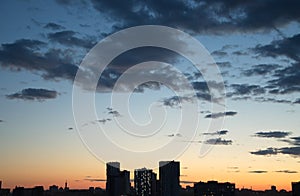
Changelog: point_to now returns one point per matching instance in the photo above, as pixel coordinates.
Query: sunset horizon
(214, 85)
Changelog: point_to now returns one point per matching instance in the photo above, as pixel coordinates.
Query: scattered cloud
(287, 171)
(285, 80)
(222, 132)
(27, 54)
(288, 47)
(221, 114)
(292, 140)
(216, 16)
(297, 101)
(219, 53)
(174, 135)
(112, 112)
(104, 120)
(258, 171)
(53, 26)
(176, 101)
(245, 90)
(34, 94)
(268, 151)
(261, 70)
(95, 180)
(293, 151)
(218, 141)
(226, 64)
(272, 100)
(272, 134)
(68, 38)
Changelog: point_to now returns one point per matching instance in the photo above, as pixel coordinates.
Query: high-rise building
(144, 182)
(113, 183)
(296, 188)
(117, 182)
(169, 172)
(125, 182)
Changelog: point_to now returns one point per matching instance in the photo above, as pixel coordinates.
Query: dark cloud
(218, 141)
(104, 120)
(176, 101)
(53, 26)
(95, 180)
(288, 47)
(258, 171)
(220, 114)
(202, 16)
(293, 151)
(219, 53)
(287, 80)
(26, 54)
(295, 141)
(153, 85)
(222, 132)
(268, 151)
(1, 121)
(240, 53)
(224, 64)
(261, 69)
(273, 100)
(113, 113)
(34, 94)
(297, 101)
(68, 38)
(272, 134)
(245, 90)
(287, 171)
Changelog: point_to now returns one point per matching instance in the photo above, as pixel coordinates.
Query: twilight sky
(255, 45)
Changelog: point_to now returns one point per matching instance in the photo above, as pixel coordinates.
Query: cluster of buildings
(145, 180)
(147, 183)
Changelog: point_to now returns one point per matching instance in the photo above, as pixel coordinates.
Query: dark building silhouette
(169, 172)
(112, 179)
(214, 188)
(21, 191)
(296, 188)
(4, 192)
(117, 182)
(125, 182)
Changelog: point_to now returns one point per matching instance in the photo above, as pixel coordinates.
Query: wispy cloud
(268, 151)
(221, 132)
(53, 26)
(287, 171)
(218, 141)
(258, 171)
(273, 134)
(221, 114)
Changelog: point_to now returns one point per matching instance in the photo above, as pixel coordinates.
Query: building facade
(169, 172)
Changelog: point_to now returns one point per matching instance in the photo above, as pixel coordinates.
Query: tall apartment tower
(144, 182)
(169, 172)
(296, 188)
(113, 179)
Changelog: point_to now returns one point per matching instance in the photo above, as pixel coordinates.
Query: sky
(62, 117)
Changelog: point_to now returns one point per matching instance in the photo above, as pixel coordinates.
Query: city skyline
(232, 116)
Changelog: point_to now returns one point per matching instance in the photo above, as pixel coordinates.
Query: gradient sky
(255, 44)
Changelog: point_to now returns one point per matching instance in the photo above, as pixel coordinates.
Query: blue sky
(255, 45)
